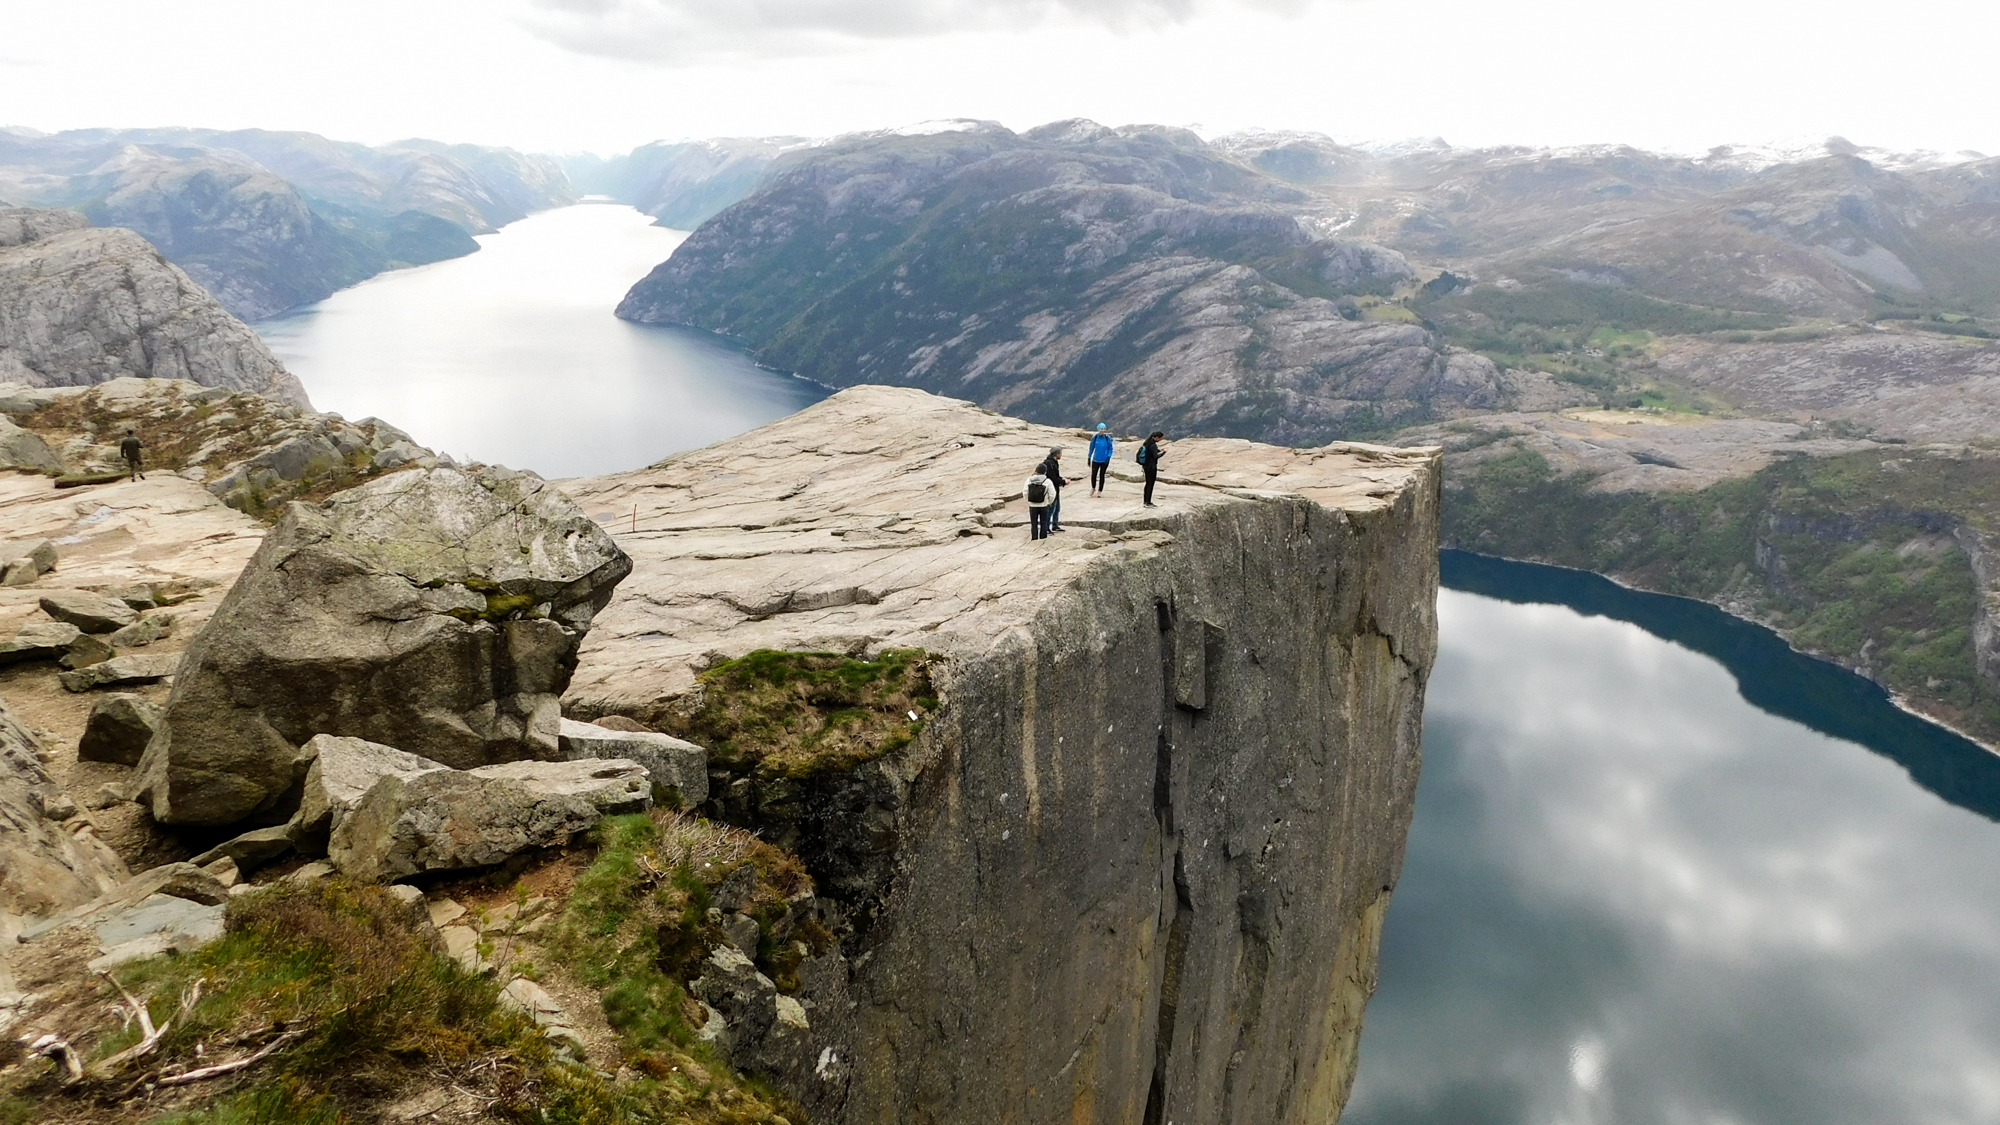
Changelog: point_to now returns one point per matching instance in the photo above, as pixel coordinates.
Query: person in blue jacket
(1100, 459)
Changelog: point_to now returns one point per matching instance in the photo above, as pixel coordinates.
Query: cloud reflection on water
(1620, 870)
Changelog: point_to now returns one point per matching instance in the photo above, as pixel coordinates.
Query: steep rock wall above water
(1135, 865)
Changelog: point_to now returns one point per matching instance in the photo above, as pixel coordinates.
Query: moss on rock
(803, 714)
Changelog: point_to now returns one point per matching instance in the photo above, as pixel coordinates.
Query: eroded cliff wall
(1136, 867)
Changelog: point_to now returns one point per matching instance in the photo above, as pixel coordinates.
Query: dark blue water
(1665, 870)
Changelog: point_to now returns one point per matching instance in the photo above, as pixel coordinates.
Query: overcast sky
(604, 75)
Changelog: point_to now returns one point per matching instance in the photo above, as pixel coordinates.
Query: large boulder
(436, 610)
(452, 819)
(118, 730)
(25, 449)
(671, 762)
(44, 866)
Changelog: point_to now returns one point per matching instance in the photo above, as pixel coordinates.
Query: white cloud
(536, 76)
(676, 30)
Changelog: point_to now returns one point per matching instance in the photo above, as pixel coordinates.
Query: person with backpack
(133, 452)
(1100, 459)
(1149, 459)
(1051, 468)
(1041, 496)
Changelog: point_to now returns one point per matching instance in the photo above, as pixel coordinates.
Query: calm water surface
(1632, 896)
(511, 355)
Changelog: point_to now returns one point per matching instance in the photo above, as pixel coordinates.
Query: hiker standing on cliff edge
(1149, 459)
(1052, 469)
(1100, 459)
(1041, 496)
(133, 452)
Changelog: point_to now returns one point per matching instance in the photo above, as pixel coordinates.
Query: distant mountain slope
(82, 305)
(682, 184)
(1837, 231)
(1066, 274)
(269, 220)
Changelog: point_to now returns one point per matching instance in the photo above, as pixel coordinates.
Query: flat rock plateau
(1138, 861)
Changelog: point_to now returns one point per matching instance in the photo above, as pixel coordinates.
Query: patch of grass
(637, 927)
(342, 963)
(802, 714)
(279, 1103)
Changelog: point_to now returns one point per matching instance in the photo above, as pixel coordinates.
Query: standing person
(133, 453)
(1149, 458)
(1100, 459)
(1041, 496)
(1052, 469)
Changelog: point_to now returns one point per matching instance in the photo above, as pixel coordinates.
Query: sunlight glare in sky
(605, 75)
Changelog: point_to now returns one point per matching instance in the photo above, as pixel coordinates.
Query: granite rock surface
(438, 611)
(1136, 863)
(1133, 275)
(48, 862)
(81, 305)
(443, 820)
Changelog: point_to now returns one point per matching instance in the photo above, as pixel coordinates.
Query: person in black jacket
(1050, 469)
(1149, 459)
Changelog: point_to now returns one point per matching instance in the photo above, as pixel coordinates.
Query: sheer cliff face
(82, 305)
(1136, 866)
(1136, 275)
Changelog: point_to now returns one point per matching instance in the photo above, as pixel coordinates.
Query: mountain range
(270, 220)
(1713, 375)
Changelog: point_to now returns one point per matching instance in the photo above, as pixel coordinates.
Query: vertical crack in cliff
(1170, 993)
(1183, 901)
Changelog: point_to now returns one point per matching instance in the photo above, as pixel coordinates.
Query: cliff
(1134, 861)
(1071, 272)
(82, 305)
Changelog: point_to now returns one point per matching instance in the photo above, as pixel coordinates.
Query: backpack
(1038, 491)
(1140, 456)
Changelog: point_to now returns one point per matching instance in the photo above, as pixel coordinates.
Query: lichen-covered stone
(452, 819)
(25, 449)
(437, 611)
